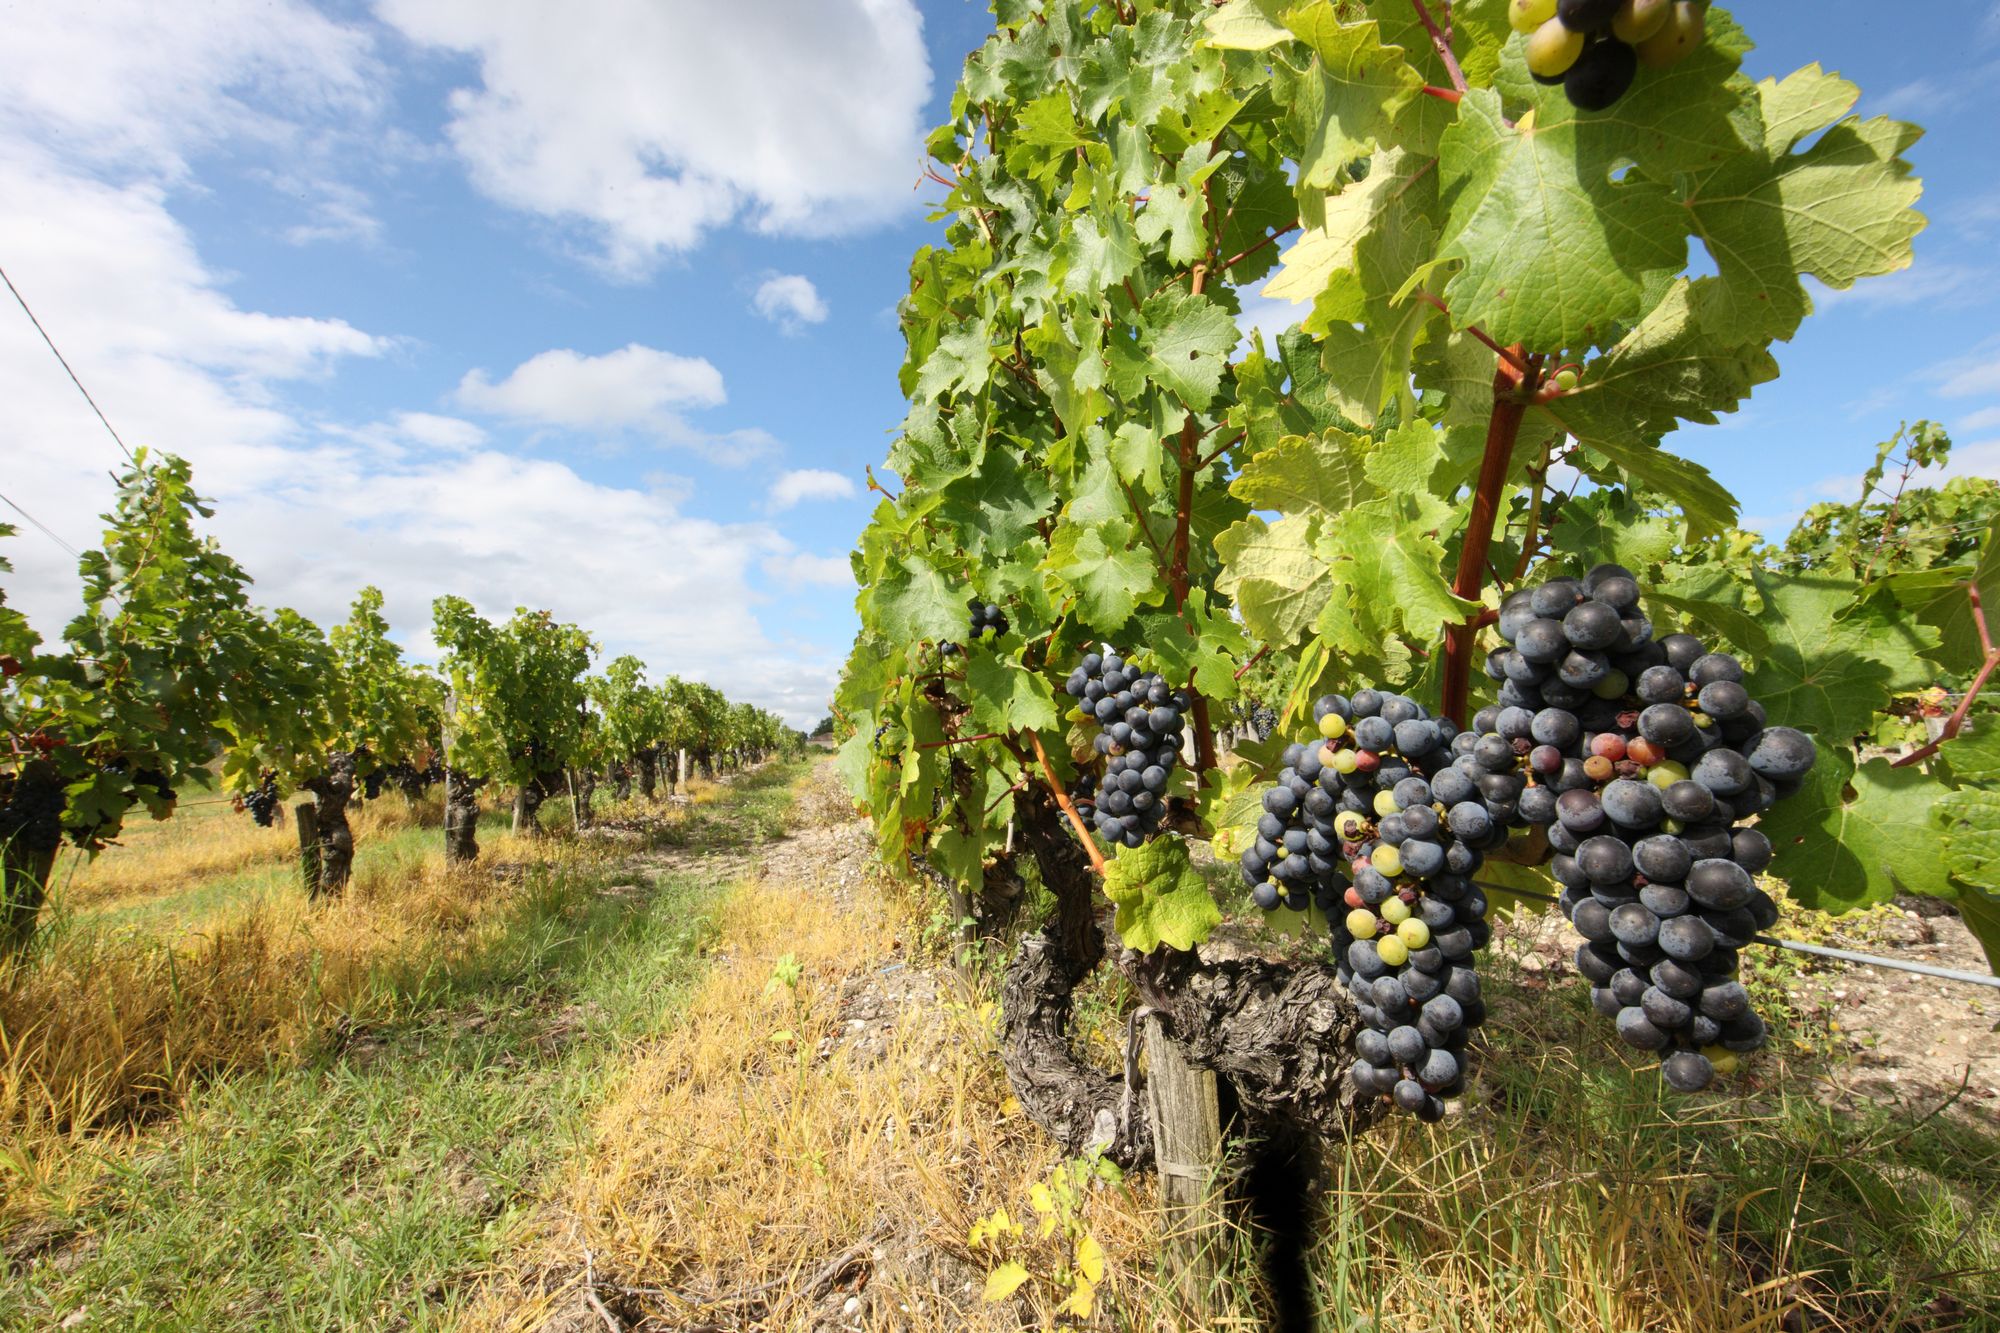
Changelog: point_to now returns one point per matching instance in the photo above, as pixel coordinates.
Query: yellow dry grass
(751, 1145)
(101, 1028)
(206, 841)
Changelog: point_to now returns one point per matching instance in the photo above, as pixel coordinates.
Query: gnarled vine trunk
(331, 792)
(1277, 1025)
(583, 786)
(649, 774)
(621, 781)
(31, 809)
(528, 798)
(461, 816)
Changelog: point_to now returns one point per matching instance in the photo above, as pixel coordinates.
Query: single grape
(1638, 1030)
(1676, 38)
(1525, 16)
(1687, 1071)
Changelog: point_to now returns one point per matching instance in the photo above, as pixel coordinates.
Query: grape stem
(1063, 801)
(1511, 355)
(1503, 430)
(1442, 45)
(962, 740)
(1956, 721)
(1252, 662)
(1452, 95)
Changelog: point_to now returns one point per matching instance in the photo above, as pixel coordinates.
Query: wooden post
(1187, 1149)
(307, 818)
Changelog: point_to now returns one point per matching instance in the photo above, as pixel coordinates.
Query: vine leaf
(1272, 573)
(1970, 818)
(1349, 98)
(1247, 25)
(1111, 579)
(1937, 597)
(1831, 662)
(1838, 851)
(1840, 210)
(1554, 253)
(1005, 697)
(1181, 343)
(1161, 897)
(1307, 473)
(913, 603)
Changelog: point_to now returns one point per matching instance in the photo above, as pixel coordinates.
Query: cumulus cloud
(829, 571)
(790, 301)
(650, 124)
(812, 483)
(418, 503)
(633, 388)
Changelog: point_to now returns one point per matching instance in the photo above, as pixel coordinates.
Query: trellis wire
(1821, 951)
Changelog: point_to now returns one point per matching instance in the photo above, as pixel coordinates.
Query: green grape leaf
(1839, 210)
(1175, 209)
(1271, 572)
(1006, 696)
(1321, 473)
(913, 603)
(1000, 506)
(1838, 852)
(1161, 897)
(1182, 341)
(1247, 25)
(962, 360)
(1941, 599)
(1323, 265)
(1386, 572)
(1111, 578)
(1554, 253)
(1831, 660)
(1349, 98)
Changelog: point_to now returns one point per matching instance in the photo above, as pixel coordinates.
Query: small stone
(850, 1306)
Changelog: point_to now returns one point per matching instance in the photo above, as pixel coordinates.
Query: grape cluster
(986, 616)
(371, 782)
(1263, 721)
(1643, 757)
(1594, 48)
(1138, 715)
(262, 800)
(1387, 818)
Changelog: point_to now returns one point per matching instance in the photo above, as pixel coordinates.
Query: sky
(591, 307)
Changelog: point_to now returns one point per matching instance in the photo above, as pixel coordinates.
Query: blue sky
(456, 295)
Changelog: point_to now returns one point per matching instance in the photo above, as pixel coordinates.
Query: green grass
(370, 1186)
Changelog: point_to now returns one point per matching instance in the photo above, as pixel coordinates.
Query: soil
(1881, 1035)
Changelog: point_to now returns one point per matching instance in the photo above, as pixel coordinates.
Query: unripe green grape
(1552, 49)
(1361, 924)
(1393, 951)
(1677, 37)
(1388, 861)
(1527, 15)
(1566, 378)
(1394, 910)
(1639, 19)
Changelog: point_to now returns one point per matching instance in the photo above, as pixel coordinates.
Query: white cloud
(1935, 285)
(635, 387)
(417, 504)
(790, 301)
(829, 571)
(1984, 419)
(1977, 372)
(650, 124)
(810, 483)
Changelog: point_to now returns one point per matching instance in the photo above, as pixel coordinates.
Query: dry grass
(102, 1028)
(753, 1144)
(208, 840)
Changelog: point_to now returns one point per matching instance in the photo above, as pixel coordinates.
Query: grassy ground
(364, 1177)
(613, 1077)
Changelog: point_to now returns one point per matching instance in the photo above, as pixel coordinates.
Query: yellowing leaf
(1039, 1198)
(1081, 1301)
(1004, 1281)
(1090, 1257)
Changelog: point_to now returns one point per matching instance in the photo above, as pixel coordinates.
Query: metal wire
(1817, 950)
(65, 362)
